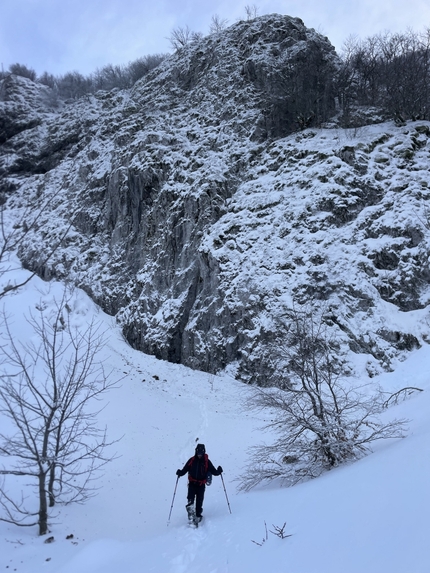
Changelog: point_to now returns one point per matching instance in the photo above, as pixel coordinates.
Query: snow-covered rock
(192, 209)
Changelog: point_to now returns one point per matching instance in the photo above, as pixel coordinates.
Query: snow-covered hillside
(182, 209)
(370, 516)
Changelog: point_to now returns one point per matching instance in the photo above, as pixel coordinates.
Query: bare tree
(110, 77)
(217, 24)
(48, 80)
(181, 37)
(142, 66)
(47, 393)
(74, 85)
(406, 75)
(251, 11)
(321, 421)
(22, 70)
(390, 72)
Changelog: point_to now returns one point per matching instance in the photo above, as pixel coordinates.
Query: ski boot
(191, 512)
(197, 520)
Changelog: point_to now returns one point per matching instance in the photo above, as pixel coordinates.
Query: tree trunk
(43, 505)
(51, 486)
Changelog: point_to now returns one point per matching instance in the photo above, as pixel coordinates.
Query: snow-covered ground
(368, 517)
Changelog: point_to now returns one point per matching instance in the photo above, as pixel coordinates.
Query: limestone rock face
(193, 209)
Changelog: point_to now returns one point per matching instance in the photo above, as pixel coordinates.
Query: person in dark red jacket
(198, 468)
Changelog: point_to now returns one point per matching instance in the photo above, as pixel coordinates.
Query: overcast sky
(66, 35)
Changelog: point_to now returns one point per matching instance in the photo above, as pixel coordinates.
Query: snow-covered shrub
(322, 421)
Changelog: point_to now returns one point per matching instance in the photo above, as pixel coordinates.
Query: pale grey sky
(65, 35)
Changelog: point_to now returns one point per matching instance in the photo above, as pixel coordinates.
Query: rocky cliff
(193, 209)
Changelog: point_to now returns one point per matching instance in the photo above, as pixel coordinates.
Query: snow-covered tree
(322, 420)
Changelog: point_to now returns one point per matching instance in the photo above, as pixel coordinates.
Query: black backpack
(200, 449)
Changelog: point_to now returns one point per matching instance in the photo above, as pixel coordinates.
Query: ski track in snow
(192, 542)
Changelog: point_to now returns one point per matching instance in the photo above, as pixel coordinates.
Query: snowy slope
(369, 517)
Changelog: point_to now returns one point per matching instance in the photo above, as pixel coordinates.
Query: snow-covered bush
(322, 420)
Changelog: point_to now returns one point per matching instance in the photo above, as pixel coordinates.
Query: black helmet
(200, 449)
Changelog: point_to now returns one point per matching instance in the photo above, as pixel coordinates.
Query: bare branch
(56, 441)
(400, 395)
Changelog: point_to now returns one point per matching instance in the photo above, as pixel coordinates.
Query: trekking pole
(173, 500)
(225, 491)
